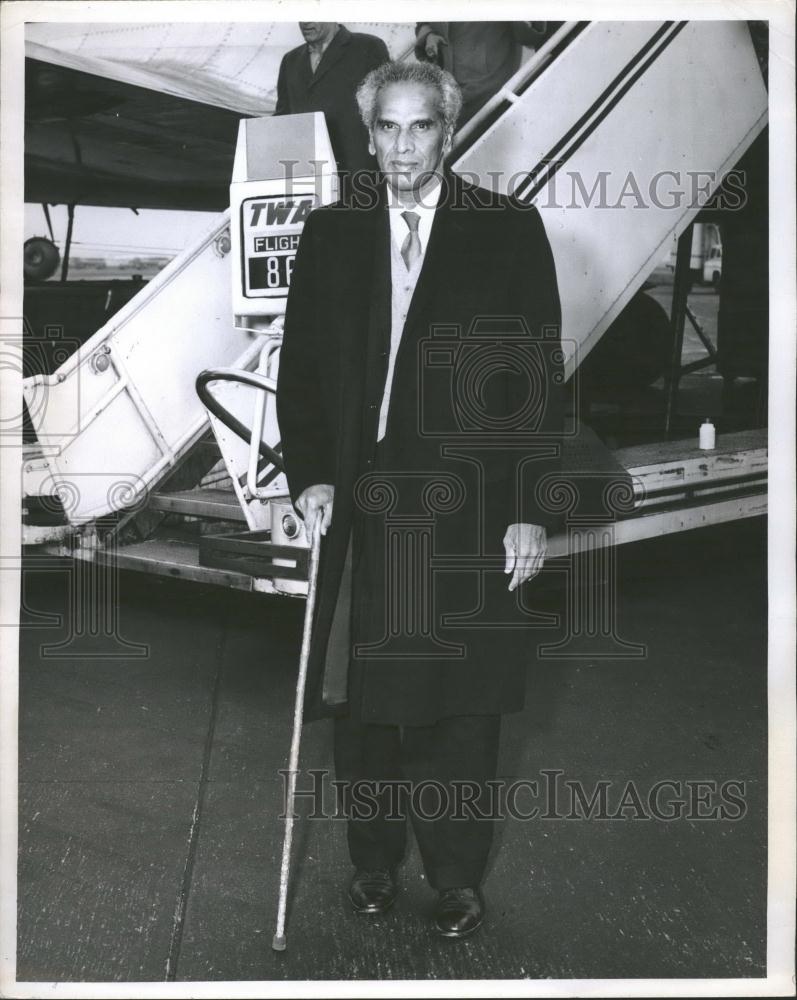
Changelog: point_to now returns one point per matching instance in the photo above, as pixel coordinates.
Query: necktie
(411, 247)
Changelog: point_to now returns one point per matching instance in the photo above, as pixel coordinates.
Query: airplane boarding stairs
(607, 130)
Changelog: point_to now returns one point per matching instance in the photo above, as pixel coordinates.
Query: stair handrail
(221, 413)
(509, 92)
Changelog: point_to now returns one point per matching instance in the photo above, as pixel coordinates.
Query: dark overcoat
(346, 61)
(473, 430)
(481, 55)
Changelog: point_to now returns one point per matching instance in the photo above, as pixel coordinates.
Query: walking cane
(279, 942)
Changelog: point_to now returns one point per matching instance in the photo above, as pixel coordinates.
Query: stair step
(174, 557)
(219, 505)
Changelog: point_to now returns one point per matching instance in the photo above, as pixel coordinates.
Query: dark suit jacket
(483, 322)
(348, 58)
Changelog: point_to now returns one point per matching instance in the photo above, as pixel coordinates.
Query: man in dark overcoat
(480, 55)
(322, 75)
(419, 395)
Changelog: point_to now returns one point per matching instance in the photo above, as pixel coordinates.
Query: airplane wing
(146, 115)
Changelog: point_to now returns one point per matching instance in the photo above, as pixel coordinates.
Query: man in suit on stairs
(322, 75)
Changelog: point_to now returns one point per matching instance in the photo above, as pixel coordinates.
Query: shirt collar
(428, 203)
(426, 210)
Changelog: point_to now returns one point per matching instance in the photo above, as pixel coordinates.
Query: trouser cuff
(456, 877)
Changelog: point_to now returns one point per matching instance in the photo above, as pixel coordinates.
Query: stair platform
(205, 503)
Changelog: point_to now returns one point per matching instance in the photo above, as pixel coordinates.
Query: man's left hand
(525, 546)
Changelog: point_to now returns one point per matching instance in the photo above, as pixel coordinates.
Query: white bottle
(708, 435)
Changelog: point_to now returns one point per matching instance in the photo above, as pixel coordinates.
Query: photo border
(781, 535)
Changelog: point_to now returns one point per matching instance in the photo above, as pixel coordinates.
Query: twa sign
(271, 227)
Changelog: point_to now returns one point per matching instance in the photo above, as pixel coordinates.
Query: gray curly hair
(450, 96)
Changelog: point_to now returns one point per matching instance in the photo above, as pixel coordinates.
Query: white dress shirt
(426, 210)
(403, 281)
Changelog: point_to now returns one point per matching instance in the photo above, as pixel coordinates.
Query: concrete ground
(150, 744)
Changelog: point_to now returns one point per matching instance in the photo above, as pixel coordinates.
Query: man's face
(317, 32)
(408, 136)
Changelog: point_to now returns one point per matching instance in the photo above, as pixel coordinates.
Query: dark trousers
(444, 768)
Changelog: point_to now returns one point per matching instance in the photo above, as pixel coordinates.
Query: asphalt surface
(152, 734)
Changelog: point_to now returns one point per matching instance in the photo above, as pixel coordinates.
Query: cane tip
(279, 943)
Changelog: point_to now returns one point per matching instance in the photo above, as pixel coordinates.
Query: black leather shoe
(459, 912)
(372, 890)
